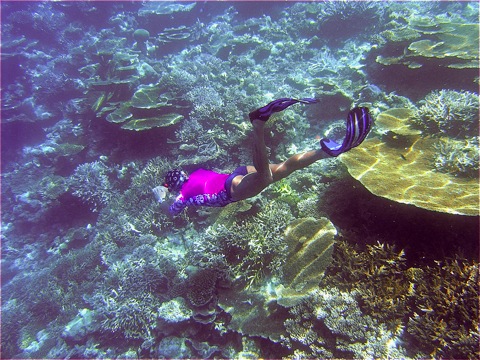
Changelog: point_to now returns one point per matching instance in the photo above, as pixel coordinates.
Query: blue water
(101, 99)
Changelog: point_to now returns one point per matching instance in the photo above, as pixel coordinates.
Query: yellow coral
(396, 121)
(407, 176)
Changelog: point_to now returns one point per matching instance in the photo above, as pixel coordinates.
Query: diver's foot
(258, 124)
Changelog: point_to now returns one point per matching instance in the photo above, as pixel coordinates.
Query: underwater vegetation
(368, 255)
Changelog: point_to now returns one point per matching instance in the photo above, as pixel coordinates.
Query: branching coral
(134, 318)
(206, 102)
(458, 157)
(379, 276)
(454, 113)
(437, 305)
(446, 310)
(337, 17)
(91, 183)
(127, 302)
(331, 322)
(255, 246)
(151, 175)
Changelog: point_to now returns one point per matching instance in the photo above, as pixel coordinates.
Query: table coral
(449, 39)
(152, 122)
(407, 176)
(396, 121)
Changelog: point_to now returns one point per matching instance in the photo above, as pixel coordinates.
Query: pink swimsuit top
(203, 188)
(202, 182)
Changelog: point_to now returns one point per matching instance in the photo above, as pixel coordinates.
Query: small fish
(160, 192)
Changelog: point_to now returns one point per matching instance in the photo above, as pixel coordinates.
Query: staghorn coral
(446, 310)
(450, 112)
(151, 175)
(127, 302)
(331, 322)
(457, 157)
(177, 80)
(338, 17)
(91, 183)
(206, 101)
(436, 305)
(254, 247)
(379, 276)
(133, 318)
(309, 207)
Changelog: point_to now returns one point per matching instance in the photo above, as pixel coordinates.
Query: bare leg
(263, 174)
(260, 175)
(296, 162)
(260, 156)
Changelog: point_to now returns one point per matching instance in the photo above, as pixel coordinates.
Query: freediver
(209, 188)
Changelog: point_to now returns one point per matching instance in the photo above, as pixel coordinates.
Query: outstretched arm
(178, 205)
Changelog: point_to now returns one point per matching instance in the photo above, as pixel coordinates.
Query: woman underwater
(209, 188)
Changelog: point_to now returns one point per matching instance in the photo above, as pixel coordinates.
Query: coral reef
(129, 301)
(100, 99)
(412, 301)
(174, 311)
(406, 176)
(457, 157)
(309, 249)
(330, 323)
(173, 348)
(254, 247)
(379, 276)
(440, 329)
(206, 101)
(91, 183)
(397, 121)
(457, 51)
(449, 112)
